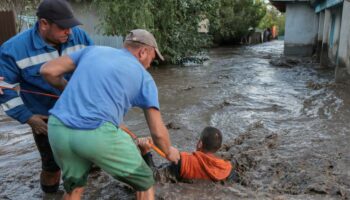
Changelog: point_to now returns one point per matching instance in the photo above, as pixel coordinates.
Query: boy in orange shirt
(201, 164)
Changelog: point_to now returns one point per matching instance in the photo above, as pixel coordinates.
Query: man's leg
(50, 174)
(145, 195)
(75, 168)
(116, 153)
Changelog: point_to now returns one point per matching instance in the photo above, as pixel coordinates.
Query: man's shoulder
(103, 49)
(80, 37)
(19, 41)
(93, 53)
(77, 31)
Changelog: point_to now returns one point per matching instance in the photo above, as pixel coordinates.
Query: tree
(236, 17)
(174, 22)
(273, 18)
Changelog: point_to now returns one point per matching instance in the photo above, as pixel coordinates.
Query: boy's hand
(145, 144)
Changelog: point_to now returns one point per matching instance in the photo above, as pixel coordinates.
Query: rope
(155, 148)
(28, 91)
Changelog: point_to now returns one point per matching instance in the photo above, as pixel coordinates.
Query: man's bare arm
(54, 70)
(160, 134)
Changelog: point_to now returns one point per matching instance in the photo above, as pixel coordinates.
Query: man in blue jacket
(55, 34)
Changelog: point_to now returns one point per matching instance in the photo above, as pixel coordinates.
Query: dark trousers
(47, 160)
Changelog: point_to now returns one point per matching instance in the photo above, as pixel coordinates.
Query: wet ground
(285, 121)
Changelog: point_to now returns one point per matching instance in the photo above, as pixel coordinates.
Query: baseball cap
(59, 12)
(144, 37)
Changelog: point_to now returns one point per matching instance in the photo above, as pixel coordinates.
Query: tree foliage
(236, 17)
(174, 23)
(273, 18)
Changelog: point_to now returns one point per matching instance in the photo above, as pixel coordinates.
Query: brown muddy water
(287, 125)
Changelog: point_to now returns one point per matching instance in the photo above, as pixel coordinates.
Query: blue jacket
(20, 60)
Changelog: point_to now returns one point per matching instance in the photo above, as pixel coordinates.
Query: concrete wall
(334, 36)
(320, 16)
(342, 72)
(324, 59)
(331, 36)
(300, 34)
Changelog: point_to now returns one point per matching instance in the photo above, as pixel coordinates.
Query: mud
(287, 128)
(261, 167)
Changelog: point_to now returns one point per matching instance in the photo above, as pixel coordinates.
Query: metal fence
(111, 41)
(8, 25)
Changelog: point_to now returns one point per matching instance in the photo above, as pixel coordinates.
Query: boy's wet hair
(211, 139)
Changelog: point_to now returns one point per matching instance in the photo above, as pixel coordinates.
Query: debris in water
(285, 62)
(267, 56)
(215, 82)
(223, 76)
(172, 125)
(188, 88)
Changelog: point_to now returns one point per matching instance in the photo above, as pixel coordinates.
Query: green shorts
(108, 147)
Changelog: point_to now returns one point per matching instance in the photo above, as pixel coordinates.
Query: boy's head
(210, 140)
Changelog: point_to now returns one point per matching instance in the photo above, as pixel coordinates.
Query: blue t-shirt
(106, 83)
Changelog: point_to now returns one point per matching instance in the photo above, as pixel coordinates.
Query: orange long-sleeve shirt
(199, 165)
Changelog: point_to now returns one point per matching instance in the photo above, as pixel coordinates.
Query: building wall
(342, 72)
(334, 34)
(324, 60)
(330, 33)
(320, 16)
(316, 24)
(300, 36)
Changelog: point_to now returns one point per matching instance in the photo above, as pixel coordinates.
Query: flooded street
(287, 127)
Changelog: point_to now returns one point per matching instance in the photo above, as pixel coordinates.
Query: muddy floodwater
(284, 121)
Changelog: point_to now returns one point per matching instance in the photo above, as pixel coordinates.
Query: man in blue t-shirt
(84, 126)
